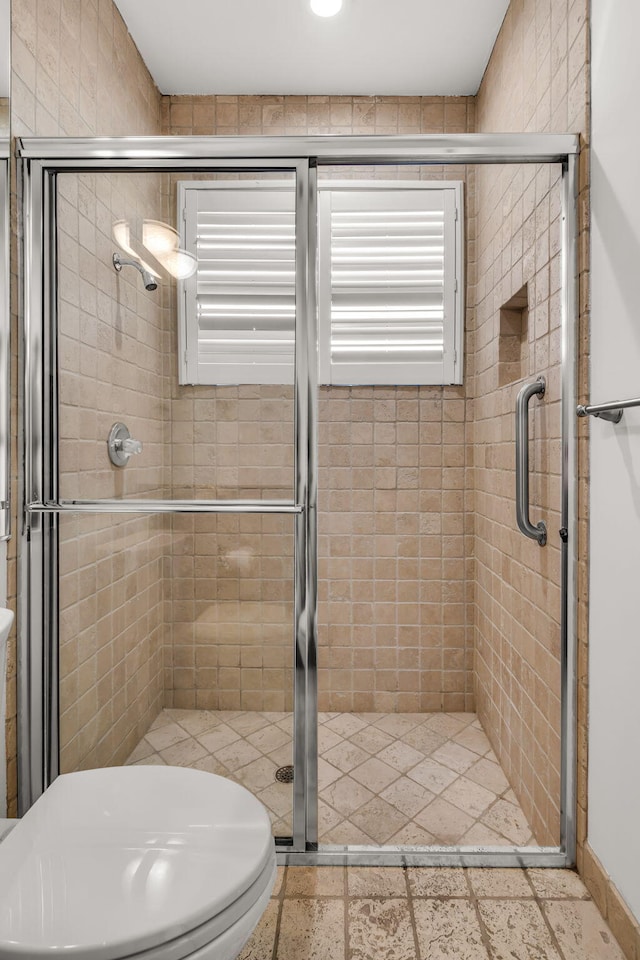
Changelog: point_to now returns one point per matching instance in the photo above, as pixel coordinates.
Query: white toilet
(151, 862)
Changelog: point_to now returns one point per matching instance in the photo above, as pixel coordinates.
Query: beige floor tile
(500, 883)
(166, 735)
(312, 929)
(371, 739)
(407, 795)
(278, 797)
(286, 724)
(509, 820)
(345, 724)
(482, 836)
(446, 724)
(380, 928)
(557, 884)
(378, 819)
(432, 775)
(412, 835)
(183, 754)
(376, 882)
(400, 756)
(248, 723)
(327, 817)
(437, 882)
(260, 944)
(257, 775)
(315, 882)
(211, 765)
(327, 774)
(163, 718)
(347, 833)
(282, 756)
(489, 775)
(237, 754)
(399, 724)
(374, 774)
(455, 756)
(327, 739)
(198, 721)
(424, 739)
(473, 739)
(516, 930)
(268, 738)
(447, 823)
(448, 930)
(221, 736)
(346, 796)
(468, 796)
(345, 756)
(581, 931)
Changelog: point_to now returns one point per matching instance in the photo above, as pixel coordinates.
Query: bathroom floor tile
(380, 928)
(517, 929)
(313, 929)
(581, 931)
(379, 774)
(448, 929)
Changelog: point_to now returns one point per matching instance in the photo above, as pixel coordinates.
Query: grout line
(412, 915)
(484, 934)
(280, 898)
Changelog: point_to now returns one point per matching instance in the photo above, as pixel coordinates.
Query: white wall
(614, 636)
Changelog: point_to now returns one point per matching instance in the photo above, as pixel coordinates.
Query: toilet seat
(147, 861)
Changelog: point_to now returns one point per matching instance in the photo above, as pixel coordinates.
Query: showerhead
(150, 282)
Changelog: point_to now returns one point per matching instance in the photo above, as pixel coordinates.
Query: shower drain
(284, 774)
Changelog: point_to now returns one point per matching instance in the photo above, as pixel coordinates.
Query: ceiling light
(179, 263)
(159, 237)
(326, 8)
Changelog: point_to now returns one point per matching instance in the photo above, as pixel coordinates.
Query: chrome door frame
(41, 160)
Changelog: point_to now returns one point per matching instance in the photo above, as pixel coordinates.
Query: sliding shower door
(169, 493)
(183, 300)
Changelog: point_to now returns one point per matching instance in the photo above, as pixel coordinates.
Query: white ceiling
(372, 47)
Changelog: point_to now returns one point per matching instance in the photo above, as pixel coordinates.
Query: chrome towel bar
(607, 411)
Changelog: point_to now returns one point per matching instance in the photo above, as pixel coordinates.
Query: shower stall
(281, 521)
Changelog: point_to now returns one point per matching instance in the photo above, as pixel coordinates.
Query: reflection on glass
(176, 646)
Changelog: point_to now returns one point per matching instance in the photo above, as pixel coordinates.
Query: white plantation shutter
(389, 285)
(240, 303)
(388, 293)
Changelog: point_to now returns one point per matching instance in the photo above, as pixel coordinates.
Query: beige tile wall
(536, 80)
(4, 116)
(112, 353)
(76, 72)
(394, 563)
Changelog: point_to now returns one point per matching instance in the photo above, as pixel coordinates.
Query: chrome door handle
(539, 532)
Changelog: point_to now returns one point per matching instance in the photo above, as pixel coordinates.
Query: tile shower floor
(383, 778)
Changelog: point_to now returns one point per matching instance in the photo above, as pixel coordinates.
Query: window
(389, 282)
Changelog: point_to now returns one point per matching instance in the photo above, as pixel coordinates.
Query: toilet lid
(108, 863)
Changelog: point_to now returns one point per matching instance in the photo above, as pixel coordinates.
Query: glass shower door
(174, 481)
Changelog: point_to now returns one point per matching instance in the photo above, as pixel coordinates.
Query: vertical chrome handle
(539, 532)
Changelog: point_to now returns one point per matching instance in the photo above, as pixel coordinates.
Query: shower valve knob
(129, 446)
(120, 445)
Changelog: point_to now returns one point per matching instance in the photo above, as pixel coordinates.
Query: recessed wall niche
(513, 341)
